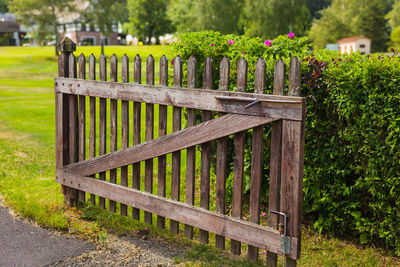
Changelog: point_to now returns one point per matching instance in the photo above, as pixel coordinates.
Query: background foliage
(352, 155)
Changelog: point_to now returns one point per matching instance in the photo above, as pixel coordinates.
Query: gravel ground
(128, 251)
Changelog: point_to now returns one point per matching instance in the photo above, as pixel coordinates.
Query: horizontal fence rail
(103, 150)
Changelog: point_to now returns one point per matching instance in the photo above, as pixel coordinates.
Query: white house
(353, 44)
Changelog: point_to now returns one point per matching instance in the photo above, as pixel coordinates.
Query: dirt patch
(128, 251)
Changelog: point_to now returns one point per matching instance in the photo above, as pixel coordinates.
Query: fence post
(292, 164)
(67, 47)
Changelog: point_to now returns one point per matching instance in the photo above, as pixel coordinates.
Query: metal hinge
(285, 240)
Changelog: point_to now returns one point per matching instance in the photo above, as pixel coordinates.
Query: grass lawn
(27, 138)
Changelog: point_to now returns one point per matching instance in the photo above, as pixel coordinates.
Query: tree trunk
(102, 43)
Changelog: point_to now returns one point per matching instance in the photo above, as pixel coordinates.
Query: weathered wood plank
(292, 163)
(256, 159)
(92, 130)
(102, 122)
(205, 150)
(73, 124)
(137, 113)
(176, 156)
(195, 135)
(62, 117)
(230, 102)
(82, 121)
(222, 148)
(238, 161)
(191, 151)
(113, 125)
(162, 130)
(148, 175)
(256, 235)
(124, 127)
(275, 160)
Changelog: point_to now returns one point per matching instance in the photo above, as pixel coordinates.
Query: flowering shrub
(352, 149)
(217, 46)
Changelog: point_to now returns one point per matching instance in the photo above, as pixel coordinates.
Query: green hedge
(352, 152)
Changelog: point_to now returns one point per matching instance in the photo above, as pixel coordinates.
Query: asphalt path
(22, 244)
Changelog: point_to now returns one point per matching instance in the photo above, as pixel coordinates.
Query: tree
(3, 6)
(373, 24)
(182, 16)
(270, 18)
(148, 19)
(315, 6)
(346, 18)
(394, 15)
(218, 15)
(105, 14)
(43, 14)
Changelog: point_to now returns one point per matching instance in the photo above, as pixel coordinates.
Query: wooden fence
(238, 112)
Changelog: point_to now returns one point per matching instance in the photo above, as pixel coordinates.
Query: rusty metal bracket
(285, 240)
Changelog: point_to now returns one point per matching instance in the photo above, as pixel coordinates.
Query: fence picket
(102, 122)
(238, 161)
(256, 159)
(205, 150)
(62, 121)
(92, 130)
(113, 124)
(222, 148)
(82, 121)
(176, 156)
(124, 127)
(73, 123)
(137, 113)
(162, 130)
(191, 151)
(148, 175)
(275, 161)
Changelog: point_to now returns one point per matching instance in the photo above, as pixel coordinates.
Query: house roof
(9, 26)
(351, 39)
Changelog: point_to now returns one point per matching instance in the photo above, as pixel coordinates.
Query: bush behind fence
(352, 153)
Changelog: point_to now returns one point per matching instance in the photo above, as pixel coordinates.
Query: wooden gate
(238, 112)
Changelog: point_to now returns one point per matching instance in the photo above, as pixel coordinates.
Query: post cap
(66, 45)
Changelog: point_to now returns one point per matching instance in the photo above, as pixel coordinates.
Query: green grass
(27, 138)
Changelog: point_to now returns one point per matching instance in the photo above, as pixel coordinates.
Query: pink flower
(291, 35)
(111, 231)
(41, 172)
(244, 218)
(212, 44)
(146, 229)
(231, 42)
(264, 252)
(138, 232)
(268, 43)
(172, 61)
(263, 214)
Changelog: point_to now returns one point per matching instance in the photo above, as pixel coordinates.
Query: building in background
(10, 30)
(332, 47)
(353, 44)
(82, 32)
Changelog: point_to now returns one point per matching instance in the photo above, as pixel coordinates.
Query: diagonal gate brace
(195, 135)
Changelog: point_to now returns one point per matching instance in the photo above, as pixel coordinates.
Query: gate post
(293, 134)
(67, 47)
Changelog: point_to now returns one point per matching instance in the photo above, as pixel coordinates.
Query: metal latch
(285, 240)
